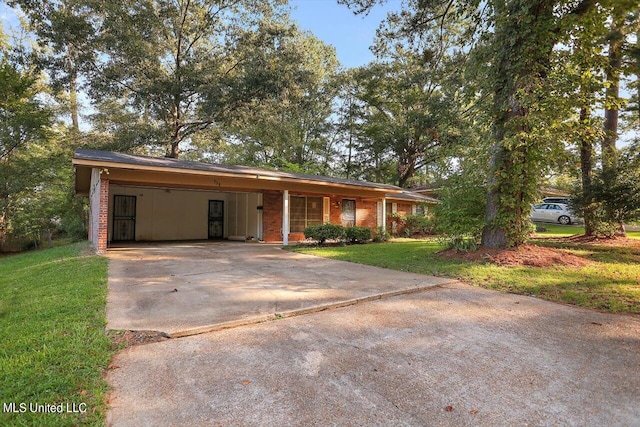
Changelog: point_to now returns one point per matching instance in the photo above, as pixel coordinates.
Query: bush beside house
(324, 232)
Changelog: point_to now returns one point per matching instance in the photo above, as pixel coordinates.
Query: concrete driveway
(187, 288)
(452, 355)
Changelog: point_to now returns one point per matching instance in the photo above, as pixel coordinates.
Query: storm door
(216, 219)
(348, 213)
(124, 218)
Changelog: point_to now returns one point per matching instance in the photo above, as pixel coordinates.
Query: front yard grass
(557, 230)
(611, 283)
(54, 347)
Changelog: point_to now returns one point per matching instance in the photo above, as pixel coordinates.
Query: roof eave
(107, 164)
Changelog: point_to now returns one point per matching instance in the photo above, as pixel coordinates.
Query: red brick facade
(272, 214)
(103, 216)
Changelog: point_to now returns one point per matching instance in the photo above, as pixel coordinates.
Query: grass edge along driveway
(611, 283)
(54, 346)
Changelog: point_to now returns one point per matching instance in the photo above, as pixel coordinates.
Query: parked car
(554, 212)
(561, 200)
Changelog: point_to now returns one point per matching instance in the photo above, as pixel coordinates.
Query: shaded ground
(525, 255)
(452, 355)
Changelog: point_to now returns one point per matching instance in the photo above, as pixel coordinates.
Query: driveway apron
(185, 288)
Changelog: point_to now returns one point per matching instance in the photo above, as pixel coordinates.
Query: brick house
(140, 198)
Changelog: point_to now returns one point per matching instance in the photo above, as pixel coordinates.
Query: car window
(555, 207)
(540, 207)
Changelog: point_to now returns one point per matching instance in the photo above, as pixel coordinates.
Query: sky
(337, 25)
(332, 23)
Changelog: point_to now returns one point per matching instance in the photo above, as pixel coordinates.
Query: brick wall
(366, 215)
(98, 210)
(103, 216)
(272, 216)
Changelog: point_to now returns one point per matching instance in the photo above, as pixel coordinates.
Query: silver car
(553, 212)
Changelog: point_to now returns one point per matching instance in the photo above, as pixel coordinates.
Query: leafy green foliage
(418, 224)
(407, 117)
(24, 130)
(357, 234)
(460, 213)
(381, 234)
(324, 232)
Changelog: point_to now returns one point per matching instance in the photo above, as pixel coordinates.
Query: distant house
(433, 191)
(140, 198)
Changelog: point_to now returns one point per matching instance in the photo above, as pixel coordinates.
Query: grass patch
(557, 230)
(54, 347)
(611, 283)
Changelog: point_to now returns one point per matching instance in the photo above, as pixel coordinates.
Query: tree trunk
(523, 50)
(611, 111)
(586, 168)
(73, 89)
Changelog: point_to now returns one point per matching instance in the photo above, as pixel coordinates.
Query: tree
(65, 45)
(292, 128)
(23, 123)
(409, 112)
(512, 42)
(186, 65)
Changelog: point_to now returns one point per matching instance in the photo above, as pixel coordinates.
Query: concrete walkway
(188, 288)
(454, 355)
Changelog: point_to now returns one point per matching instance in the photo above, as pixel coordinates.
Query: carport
(142, 198)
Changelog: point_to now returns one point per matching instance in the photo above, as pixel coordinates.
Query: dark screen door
(216, 219)
(124, 218)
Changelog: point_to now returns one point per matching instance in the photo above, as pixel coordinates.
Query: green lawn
(611, 283)
(557, 230)
(54, 347)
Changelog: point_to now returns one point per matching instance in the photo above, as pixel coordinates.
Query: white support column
(384, 214)
(285, 218)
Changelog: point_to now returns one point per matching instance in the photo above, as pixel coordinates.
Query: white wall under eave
(171, 214)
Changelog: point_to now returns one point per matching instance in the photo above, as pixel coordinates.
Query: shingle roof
(414, 197)
(246, 171)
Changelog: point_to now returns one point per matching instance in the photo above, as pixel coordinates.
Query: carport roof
(100, 158)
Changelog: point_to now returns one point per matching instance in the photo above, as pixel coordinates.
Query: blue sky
(336, 25)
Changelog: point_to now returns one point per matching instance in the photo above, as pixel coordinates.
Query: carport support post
(384, 214)
(285, 218)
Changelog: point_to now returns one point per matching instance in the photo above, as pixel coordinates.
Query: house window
(420, 210)
(348, 213)
(304, 211)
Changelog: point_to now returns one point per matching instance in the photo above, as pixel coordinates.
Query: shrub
(418, 224)
(461, 243)
(357, 234)
(460, 215)
(324, 232)
(381, 235)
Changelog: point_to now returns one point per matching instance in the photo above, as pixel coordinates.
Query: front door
(348, 213)
(216, 219)
(124, 218)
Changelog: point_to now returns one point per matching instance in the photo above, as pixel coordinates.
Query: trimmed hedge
(324, 232)
(357, 234)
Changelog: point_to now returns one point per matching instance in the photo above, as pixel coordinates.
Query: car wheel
(564, 220)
